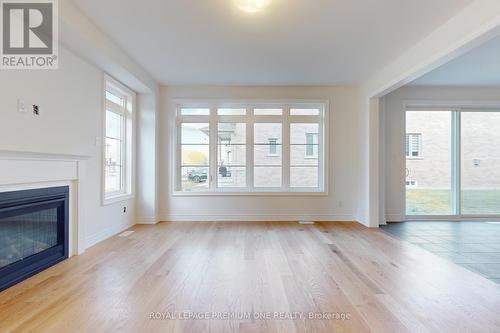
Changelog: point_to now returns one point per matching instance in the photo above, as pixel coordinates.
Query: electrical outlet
(36, 110)
(21, 106)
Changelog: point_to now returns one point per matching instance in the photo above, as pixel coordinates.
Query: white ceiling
(292, 42)
(479, 67)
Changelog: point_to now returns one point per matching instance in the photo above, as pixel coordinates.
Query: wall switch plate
(21, 106)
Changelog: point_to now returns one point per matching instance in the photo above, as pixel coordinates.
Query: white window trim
(129, 167)
(250, 119)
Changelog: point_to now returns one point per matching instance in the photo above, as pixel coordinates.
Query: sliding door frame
(456, 109)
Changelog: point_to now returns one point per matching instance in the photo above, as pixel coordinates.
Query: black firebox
(33, 232)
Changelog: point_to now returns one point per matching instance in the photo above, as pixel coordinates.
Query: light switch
(21, 106)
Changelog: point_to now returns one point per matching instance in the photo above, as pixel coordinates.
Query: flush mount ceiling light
(251, 6)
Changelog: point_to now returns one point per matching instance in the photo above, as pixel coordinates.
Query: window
(273, 147)
(118, 141)
(231, 112)
(413, 145)
(311, 144)
(195, 155)
(304, 165)
(250, 147)
(411, 183)
(268, 112)
(195, 111)
(268, 157)
(232, 155)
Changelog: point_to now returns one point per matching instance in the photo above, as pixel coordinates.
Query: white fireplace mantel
(25, 155)
(27, 170)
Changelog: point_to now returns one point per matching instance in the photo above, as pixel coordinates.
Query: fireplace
(33, 232)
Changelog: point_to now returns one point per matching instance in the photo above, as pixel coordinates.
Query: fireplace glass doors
(33, 232)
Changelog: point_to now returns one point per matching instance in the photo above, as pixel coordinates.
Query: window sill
(116, 198)
(249, 194)
(414, 158)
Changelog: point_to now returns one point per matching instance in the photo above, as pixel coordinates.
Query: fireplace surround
(34, 232)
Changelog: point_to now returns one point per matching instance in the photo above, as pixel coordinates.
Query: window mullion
(322, 147)
(213, 160)
(118, 109)
(286, 149)
(250, 150)
(123, 153)
(455, 163)
(178, 156)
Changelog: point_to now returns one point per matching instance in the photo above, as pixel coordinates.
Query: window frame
(128, 145)
(250, 120)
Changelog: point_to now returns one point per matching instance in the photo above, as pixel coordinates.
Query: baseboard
(107, 233)
(395, 218)
(453, 218)
(146, 220)
(256, 217)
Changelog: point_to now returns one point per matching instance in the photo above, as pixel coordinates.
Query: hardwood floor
(378, 283)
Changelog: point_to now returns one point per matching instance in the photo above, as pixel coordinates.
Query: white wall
(340, 204)
(80, 35)
(147, 161)
(395, 160)
(71, 119)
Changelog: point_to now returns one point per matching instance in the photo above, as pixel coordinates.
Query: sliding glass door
(452, 163)
(429, 163)
(480, 163)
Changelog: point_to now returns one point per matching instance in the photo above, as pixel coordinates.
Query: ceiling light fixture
(252, 6)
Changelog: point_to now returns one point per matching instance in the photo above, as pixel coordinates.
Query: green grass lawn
(438, 202)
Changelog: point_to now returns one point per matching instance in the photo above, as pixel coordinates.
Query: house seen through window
(243, 148)
(413, 145)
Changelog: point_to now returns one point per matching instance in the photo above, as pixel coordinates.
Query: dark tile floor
(473, 245)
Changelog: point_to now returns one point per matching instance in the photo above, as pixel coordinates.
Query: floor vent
(306, 222)
(126, 233)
